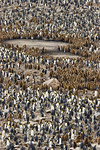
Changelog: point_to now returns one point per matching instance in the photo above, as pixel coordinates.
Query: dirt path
(51, 46)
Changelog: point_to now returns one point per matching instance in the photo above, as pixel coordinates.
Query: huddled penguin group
(43, 119)
(23, 17)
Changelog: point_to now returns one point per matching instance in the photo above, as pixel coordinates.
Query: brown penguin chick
(74, 144)
(20, 116)
(65, 137)
(15, 125)
(81, 134)
(86, 140)
(25, 145)
(40, 121)
(98, 140)
(30, 66)
(1, 80)
(95, 140)
(90, 139)
(77, 140)
(9, 117)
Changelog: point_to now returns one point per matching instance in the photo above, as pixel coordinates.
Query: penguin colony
(34, 116)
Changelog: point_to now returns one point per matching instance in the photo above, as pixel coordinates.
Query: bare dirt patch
(50, 46)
